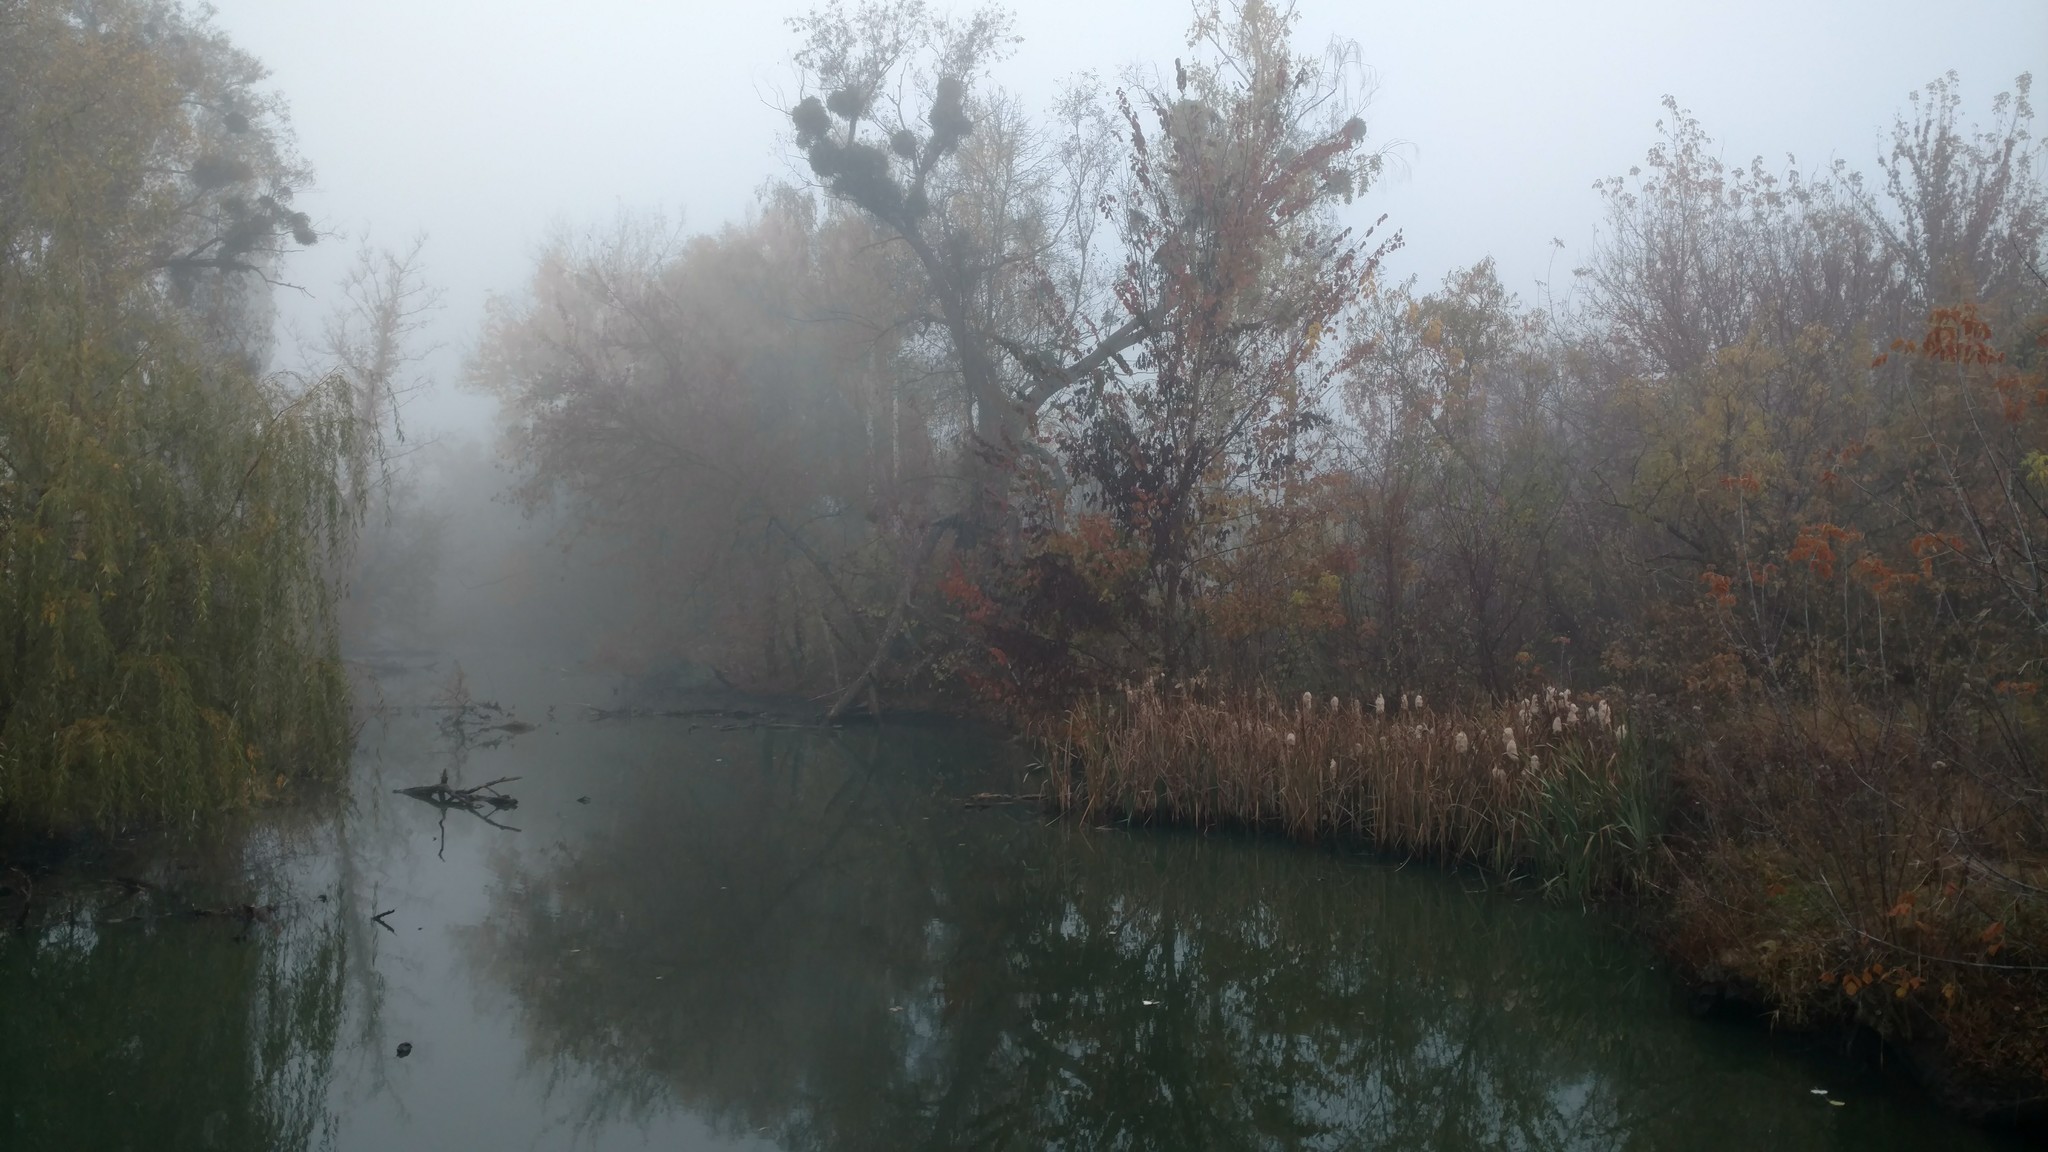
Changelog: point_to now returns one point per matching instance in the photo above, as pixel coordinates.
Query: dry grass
(1547, 786)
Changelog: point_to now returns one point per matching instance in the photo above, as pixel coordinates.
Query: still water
(692, 938)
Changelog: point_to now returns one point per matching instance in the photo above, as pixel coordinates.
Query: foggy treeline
(1040, 404)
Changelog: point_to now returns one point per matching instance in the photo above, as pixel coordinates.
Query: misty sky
(483, 125)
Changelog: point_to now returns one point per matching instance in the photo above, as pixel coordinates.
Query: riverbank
(1842, 898)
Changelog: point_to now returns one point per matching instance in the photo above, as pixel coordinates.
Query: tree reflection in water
(171, 1031)
(813, 940)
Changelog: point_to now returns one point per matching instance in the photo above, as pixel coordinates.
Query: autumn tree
(1187, 366)
(167, 513)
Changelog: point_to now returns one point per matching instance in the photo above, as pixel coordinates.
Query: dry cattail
(1507, 736)
(1418, 701)
(1606, 715)
(1463, 745)
(1404, 701)
(1379, 704)
(1535, 762)
(1334, 702)
(1557, 724)
(1290, 739)
(1621, 731)
(1308, 702)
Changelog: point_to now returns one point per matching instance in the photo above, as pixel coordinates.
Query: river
(687, 936)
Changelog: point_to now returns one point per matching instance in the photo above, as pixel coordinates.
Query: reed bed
(1549, 785)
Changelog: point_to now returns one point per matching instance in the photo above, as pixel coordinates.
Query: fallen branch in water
(991, 799)
(442, 794)
(479, 801)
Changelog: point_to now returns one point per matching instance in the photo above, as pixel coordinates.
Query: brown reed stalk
(1548, 785)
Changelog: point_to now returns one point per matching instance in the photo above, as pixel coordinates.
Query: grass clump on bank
(1545, 786)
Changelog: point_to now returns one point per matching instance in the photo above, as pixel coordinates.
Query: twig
(991, 799)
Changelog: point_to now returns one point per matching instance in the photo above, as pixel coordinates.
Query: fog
(482, 126)
(764, 460)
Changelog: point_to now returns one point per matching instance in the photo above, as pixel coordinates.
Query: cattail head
(1606, 715)
(1621, 731)
(1418, 701)
(1379, 704)
(1334, 703)
(1535, 762)
(1290, 739)
(1308, 701)
(1404, 701)
(1507, 736)
(1463, 745)
(1556, 724)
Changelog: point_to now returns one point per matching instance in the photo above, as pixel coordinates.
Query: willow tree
(167, 514)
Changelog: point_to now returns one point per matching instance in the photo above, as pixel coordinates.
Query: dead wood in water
(479, 801)
(991, 799)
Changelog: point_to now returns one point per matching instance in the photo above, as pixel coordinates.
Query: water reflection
(168, 1031)
(810, 940)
